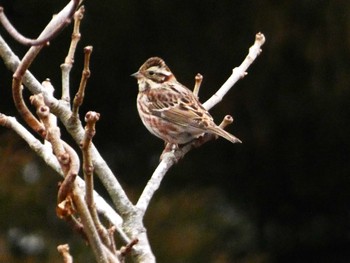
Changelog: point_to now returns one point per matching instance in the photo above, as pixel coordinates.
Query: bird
(169, 110)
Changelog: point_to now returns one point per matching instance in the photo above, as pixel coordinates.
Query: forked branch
(43, 39)
(56, 24)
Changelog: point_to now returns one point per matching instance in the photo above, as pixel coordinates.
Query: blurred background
(281, 196)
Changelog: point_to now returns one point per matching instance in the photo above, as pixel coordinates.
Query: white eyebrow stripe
(159, 71)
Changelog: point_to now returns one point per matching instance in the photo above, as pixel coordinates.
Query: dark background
(281, 196)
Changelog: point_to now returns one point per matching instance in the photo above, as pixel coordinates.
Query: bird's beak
(136, 75)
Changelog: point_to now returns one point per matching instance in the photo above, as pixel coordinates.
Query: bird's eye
(151, 72)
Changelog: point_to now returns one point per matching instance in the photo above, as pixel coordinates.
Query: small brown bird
(169, 110)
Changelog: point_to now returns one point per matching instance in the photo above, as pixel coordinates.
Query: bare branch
(50, 30)
(79, 97)
(237, 73)
(11, 61)
(69, 161)
(91, 118)
(197, 85)
(49, 90)
(22, 39)
(45, 152)
(226, 121)
(109, 180)
(69, 60)
(89, 227)
(154, 182)
(169, 157)
(78, 211)
(67, 157)
(17, 91)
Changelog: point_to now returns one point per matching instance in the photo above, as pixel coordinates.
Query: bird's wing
(178, 105)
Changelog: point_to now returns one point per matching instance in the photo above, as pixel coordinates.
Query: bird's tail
(228, 136)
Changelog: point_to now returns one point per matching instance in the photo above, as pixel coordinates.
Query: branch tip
(88, 49)
(79, 96)
(228, 119)
(64, 250)
(198, 81)
(259, 37)
(92, 117)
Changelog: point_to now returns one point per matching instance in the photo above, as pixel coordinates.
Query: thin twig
(17, 92)
(19, 37)
(226, 121)
(79, 97)
(197, 84)
(53, 132)
(78, 17)
(89, 227)
(237, 73)
(45, 152)
(69, 161)
(12, 61)
(91, 118)
(105, 174)
(66, 156)
(69, 60)
(50, 90)
(66, 211)
(50, 30)
(111, 232)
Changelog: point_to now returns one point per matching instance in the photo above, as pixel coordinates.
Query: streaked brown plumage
(168, 109)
